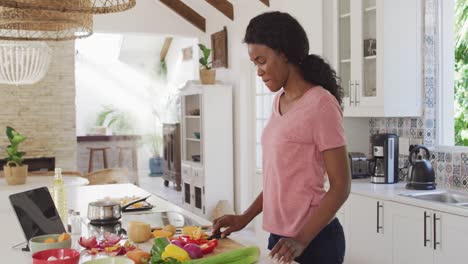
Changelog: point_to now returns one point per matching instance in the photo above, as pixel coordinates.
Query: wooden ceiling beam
(223, 6)
(165, 48)
(266, 2)
(186, 12)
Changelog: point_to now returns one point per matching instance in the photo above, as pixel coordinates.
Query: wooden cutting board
(225, 245)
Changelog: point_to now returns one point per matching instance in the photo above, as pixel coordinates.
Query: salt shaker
(69, 223)
(76, 223)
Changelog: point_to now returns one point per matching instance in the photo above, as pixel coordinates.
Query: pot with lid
(104, 212)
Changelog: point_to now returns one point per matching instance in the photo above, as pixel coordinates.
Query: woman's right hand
(232, 223)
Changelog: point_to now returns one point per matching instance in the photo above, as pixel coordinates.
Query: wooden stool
(91, 154)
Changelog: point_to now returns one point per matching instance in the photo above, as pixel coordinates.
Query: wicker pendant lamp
(23, 21)
(37, 25)
(72, 6)
(23, 62)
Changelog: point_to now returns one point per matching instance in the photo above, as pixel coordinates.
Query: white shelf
(369, 9)
(192, 116)
(346, 61)
(370, 57)
(193, 139)
(345, 15)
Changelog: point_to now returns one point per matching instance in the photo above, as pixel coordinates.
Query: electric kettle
(421, 174)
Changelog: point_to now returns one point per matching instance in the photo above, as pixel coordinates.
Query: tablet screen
(36, 213)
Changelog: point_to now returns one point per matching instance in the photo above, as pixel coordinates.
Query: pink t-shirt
(293, 166)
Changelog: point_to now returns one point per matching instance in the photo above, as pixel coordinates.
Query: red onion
(194, 251)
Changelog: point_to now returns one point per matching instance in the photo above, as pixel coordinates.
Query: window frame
(445, 131)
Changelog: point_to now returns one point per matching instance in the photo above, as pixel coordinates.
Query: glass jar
(76, 223)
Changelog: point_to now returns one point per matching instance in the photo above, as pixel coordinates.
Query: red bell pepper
(209, 246)
(190, 240)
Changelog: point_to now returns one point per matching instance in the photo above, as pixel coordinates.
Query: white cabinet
(376, 49)
(451, 238)
(412, 234)
(427, 236)
(207, 147)
(369, 235)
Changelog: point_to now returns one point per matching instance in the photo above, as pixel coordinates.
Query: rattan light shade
(43, 25)
(23, 62)
(80, 6)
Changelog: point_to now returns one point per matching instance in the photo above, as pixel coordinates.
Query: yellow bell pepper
(173, 251)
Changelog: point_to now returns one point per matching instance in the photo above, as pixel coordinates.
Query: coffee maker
(383, 166)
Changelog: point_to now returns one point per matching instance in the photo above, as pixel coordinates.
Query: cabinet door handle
(351, 88)
(435, 231)
(356, 93)
(426, 215)
(378, 217)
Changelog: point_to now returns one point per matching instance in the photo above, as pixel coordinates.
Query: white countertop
(33, 182)
(391, 192)
(78, 199)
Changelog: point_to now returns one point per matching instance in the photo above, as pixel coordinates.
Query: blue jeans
(328, 247)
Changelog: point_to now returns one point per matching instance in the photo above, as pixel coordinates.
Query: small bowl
(42, 256)
(111, 260)
(197, 134)
(37, 243)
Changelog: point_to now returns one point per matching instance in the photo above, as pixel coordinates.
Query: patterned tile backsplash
(451, 168)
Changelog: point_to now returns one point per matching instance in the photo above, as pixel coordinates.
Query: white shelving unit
(385, 79)
(207, 161)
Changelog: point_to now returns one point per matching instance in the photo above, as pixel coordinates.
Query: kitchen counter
(78, 199)
(391, 192)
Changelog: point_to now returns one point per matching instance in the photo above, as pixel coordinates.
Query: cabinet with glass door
(378, 56)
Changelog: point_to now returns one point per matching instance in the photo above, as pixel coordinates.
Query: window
(461, 73)
(263, 101)
(453, 95)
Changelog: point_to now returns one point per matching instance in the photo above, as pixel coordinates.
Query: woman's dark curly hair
(283, 33)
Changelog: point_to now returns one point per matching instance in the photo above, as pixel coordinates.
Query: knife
(214, 236)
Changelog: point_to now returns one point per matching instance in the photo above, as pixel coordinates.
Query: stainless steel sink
(445, 197)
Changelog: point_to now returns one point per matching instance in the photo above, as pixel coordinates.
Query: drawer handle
(426, 215)
(378, 217)
(435, 231)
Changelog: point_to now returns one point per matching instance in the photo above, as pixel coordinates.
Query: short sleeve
(329, 132)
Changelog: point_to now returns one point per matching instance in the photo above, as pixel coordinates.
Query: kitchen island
(78, 199)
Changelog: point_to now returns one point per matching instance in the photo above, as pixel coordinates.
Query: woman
(302, 144)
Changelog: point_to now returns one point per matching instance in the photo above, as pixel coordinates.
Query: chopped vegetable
(159, 245)
(170, 228)
(246, 255)
(88, 243)
(139, 256)
(194, 251)
(178, 243)
(162, 233)
(173, 251)
(112, 238)
(209, 246)
(190, 240)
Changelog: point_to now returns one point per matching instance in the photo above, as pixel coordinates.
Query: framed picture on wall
(187, 54)
(219, 45)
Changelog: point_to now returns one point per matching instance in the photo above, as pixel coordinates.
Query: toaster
(359, 165)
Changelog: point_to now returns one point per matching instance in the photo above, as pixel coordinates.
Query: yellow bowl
(37, 243)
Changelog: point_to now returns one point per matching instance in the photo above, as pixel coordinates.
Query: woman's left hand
(286, 250)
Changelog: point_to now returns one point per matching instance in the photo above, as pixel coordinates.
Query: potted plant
(156, 161)
(207, 74)
(15, 171)
(111, 120)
